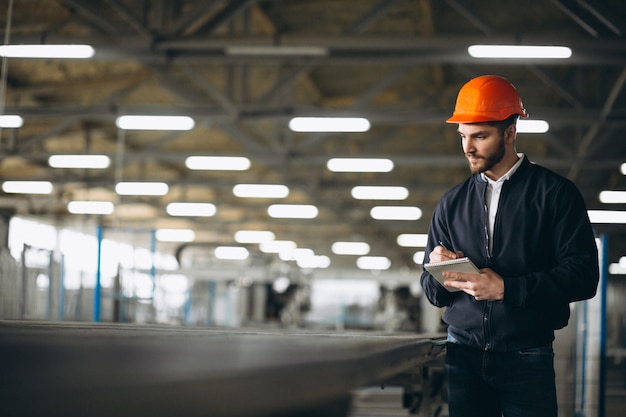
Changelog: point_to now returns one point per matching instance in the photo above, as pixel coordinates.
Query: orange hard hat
(487, 98)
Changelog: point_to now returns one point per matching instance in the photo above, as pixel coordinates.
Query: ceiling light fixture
(373, 262)
(275, 50)
(90, 207)
(612, 197)
(218, 163)
(253, 236)
(155, 122)
(362, 192)
(329, 124)
(607, 216)
(418, 257)
(141, 188)
(27, 187)
(297, 254)
(412, 240)
(396, 213)
(519, 51)
(175, 235)
(277, 246)
(11, 121)
(191, 209)
(532, 126)
(260, 191)
(47, 51)
(617, 269)
(79, 161)
(314, 262)
(350, 248)
(231, 253)
(360, 165)
(292, 211)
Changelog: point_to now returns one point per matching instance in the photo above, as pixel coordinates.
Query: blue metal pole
(602, 289)
(97, 289)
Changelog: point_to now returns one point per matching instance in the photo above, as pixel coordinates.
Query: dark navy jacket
(543, 247)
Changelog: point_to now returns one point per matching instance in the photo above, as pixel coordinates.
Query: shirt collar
(508, 174)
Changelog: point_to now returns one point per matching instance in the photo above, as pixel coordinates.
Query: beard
(483, 163)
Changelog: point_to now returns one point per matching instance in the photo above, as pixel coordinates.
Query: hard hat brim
(481, 118)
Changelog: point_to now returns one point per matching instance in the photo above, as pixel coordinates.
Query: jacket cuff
(514, 290)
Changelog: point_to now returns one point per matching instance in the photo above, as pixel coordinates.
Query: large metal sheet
(108, 370)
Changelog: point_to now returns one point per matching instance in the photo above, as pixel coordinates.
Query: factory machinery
(107, 370)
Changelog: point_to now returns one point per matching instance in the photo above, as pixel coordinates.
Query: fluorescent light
(396, 213)
(329, 124)
(623, 168)
(191, 209)
(11, 121)
(412, 240)
(360, 165)
(292, 211)
(261, 190)
(612, 197)
(519, 51)
(317, 261)
(350, 248)
(155, 122)
(141, 188)
(232, 253)
(79, 161)
(218, 163)
(47, 51)
(532, 126)
(277, 246)
(175, 235)
(418, 257)
(90, 207)
(607, 216)
(617, 269)
(276, 50)
(27, 187)
(296, 254)
(373, 262)
(362, 192)
(253, 236)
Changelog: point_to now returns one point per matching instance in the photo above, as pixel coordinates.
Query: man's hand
(440, 253)
(483, 286)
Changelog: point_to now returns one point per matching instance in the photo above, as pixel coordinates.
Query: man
(527, 230)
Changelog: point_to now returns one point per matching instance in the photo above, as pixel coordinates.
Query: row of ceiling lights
(297, 125)
(477, 51)
(288, 250)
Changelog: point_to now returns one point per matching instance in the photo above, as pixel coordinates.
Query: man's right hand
(439, 254)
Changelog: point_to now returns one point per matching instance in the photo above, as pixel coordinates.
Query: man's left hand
(483, 286)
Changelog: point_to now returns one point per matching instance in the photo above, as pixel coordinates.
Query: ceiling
(399, 63)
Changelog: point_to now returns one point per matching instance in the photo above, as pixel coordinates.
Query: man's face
(483, 146)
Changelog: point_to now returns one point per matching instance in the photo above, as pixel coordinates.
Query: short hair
(502, 125)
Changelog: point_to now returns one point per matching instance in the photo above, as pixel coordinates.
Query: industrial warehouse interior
(220, 259)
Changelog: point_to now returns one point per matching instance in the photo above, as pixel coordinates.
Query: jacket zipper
(487, 306)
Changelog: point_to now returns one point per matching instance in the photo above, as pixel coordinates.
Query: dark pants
(496, 384)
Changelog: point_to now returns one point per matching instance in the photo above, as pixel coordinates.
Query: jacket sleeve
(438, 230)
(573, 272)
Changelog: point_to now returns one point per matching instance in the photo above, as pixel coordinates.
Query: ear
(509, 133)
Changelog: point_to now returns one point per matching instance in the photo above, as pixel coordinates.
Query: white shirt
(492, 196)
